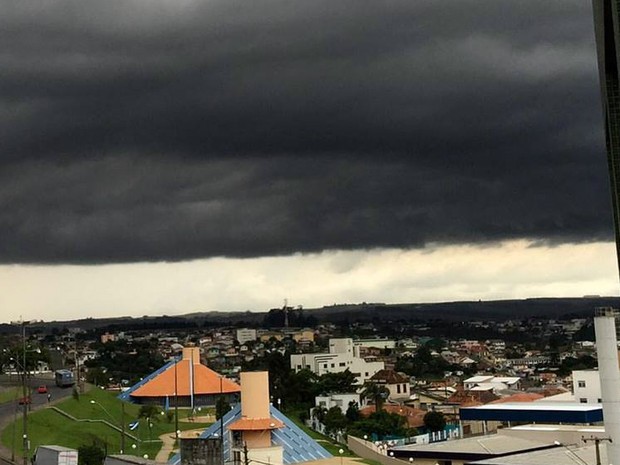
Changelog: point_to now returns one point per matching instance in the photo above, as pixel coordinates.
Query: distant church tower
(607, 30)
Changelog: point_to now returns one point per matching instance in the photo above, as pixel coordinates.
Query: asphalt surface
(9, 410)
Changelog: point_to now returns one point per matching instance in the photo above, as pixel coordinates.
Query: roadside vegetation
(93, 418)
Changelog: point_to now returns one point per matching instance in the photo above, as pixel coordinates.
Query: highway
(9, 410)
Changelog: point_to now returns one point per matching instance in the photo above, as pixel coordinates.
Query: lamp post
(25, 395)
(341, 451)
(122, 425)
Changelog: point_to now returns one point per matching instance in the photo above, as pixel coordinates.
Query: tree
(376, 393)
(222, 407)
(149, 411)
(434, 421)
(382, 424)
(338, 382)
(90, 455)
(319, 413)
(334, 420)
(353, 412)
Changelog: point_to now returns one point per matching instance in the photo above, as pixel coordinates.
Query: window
(599, 400)
(333, 365)
(299, 367)
(583, 400)
(342, 364)
(366, 375)
(325, 365)
(581, 383)
(398, 389)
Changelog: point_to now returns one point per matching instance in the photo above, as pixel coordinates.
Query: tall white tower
(607, 350)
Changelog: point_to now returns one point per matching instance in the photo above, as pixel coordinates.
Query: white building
(246, 335)
(496, 383)
(341, 401)
(378, 343)
(587, 386)
(340, 358)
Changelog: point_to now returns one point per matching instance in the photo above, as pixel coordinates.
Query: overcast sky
(171, 156)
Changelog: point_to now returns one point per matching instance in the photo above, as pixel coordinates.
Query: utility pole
(25, 398)
(176, 401)
(246, 460)
(597, 442)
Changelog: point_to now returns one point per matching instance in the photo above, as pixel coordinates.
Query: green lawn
(9, 394)
(48, 426)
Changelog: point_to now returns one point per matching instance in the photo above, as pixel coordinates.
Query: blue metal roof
(297, 446)
(535, 412)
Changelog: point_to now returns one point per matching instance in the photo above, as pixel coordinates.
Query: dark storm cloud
(149, 130)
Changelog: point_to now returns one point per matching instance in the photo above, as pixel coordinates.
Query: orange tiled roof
(205, 381)
(519, 397)
(255, 424)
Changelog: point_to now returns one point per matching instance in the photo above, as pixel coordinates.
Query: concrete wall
(255, 394)
(587, 385)
(270, 455)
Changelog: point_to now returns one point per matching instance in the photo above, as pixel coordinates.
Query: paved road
(9, 410)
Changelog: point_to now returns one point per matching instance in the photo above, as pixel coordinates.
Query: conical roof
(189, 377)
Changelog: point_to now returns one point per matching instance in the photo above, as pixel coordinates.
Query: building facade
(606, 23)
(339, 358)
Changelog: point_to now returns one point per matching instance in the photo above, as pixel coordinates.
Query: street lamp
(25, 396)
(122, 428)
(341, 451)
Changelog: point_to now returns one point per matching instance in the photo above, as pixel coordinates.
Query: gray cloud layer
(161, 130)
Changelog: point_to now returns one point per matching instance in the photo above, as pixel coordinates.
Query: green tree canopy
(377, 393)
(434, 421)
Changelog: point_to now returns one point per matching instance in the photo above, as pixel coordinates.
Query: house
(341, 401)
(396, 383)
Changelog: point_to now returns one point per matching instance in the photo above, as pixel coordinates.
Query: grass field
(48, 426)
(9, 394)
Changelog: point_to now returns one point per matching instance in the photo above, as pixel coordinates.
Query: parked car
(42, 389)
(24, 400)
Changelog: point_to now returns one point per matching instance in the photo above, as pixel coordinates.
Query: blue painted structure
(297, 446)
(535, 412)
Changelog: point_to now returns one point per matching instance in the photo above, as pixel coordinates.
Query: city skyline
(371, 148)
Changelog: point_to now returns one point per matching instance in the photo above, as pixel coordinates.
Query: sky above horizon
(168, 157)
